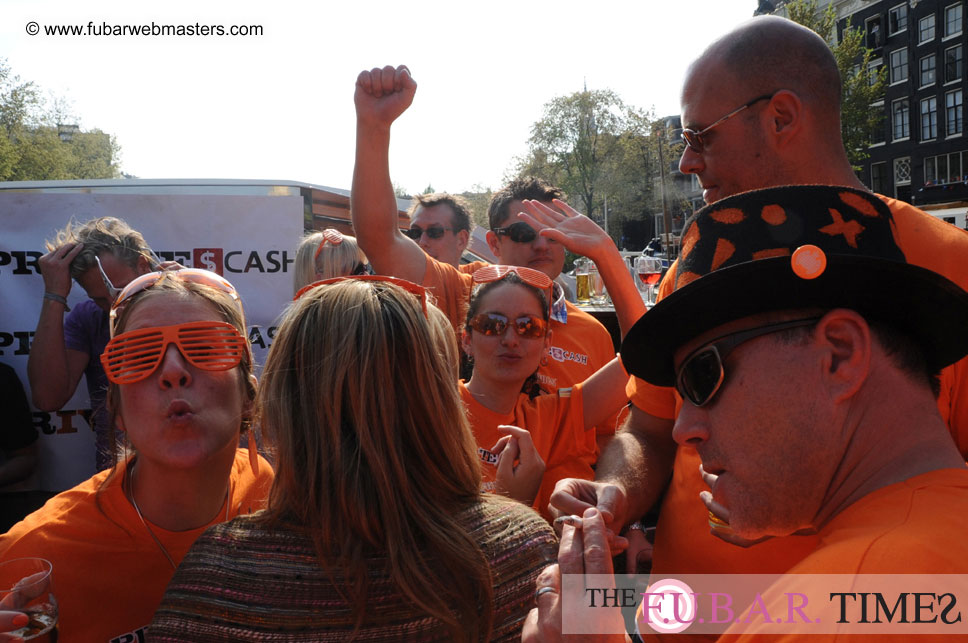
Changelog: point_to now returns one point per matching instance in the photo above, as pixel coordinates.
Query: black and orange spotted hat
(796, 247)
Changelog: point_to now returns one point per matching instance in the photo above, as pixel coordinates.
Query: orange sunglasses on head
(416, 290)
(193, 275)
(334, 237)
(209, 345)
(532, 277)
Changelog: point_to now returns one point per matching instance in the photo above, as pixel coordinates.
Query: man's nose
(692, 426)
(691, 161)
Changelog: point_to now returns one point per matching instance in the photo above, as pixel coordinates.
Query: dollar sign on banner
(207, 259)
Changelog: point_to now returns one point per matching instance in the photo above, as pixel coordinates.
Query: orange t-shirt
(556, 423)
(108, 573)
(579, 347)
(472, 267)
(916, 526)
(683, 542)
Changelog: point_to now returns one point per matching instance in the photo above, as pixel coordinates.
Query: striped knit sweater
(240, 582)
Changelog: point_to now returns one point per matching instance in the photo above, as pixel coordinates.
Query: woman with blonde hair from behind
(376, 527)
(327, 254)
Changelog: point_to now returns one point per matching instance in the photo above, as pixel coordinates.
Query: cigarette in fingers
(574, 521)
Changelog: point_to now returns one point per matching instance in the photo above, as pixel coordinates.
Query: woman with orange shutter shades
(181, 390)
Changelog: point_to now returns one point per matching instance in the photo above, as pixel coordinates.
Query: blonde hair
(104, 234)
(374, 454)
(333, 260)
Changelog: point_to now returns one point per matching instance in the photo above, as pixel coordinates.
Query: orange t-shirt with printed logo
(109, 574)
(683, 542)
(556, 423)
(579, 347)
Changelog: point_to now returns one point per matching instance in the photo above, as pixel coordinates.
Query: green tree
(479, 197)
(31, 143)
(574, 143)
(862, 84)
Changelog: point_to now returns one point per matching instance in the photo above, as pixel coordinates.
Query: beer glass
(583, 290)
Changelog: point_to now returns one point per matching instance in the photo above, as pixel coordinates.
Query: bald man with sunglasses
(581, 344)
(752, 119)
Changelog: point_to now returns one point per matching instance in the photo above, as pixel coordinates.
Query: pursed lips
(178, 409)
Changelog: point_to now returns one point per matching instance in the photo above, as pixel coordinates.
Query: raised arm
(53, 369)
(581, 235)
(604, 393)
(381, 96)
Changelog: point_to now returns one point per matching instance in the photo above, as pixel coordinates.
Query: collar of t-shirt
(559, 311)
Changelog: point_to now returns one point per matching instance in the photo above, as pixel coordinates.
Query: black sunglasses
(434, 232)
(527, 326)
(519, 232)
(702, 373)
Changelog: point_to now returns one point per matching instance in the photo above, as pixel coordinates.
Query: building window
(902, 171)
(901, 119)
(929, 118)
(952, 20)
(929, 66)
(873, 71)
(945, 168)
(873, 30)
(897, 18)
(899, 65)
(953, 110)
(877, 133)
(954, 63)
(926, 29)
(878, 177)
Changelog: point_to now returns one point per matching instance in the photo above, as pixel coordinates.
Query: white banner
(250, 240)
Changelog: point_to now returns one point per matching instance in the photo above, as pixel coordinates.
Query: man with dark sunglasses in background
(752, 119)
(440, 223)
(581, 344)
(809, 397)
(102, 255)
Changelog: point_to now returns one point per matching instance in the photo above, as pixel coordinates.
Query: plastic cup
(25, 586)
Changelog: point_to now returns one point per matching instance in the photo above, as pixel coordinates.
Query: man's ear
(493, 243)
(144, 265)
(786, 114)
(463, 236)
(844, 339)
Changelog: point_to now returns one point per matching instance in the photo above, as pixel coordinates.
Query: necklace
(144, 522)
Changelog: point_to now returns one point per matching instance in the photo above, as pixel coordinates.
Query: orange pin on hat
(808, 262)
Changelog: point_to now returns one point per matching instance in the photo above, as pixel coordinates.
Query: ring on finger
(544, 590)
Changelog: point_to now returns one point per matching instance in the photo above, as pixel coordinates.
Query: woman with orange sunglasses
(181, 391)
(507, 335)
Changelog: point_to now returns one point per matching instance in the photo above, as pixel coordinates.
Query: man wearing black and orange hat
(808, 388)
(753, 118)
